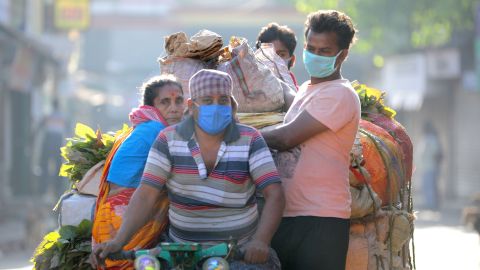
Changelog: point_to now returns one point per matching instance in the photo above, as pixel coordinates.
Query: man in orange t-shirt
(314, 143)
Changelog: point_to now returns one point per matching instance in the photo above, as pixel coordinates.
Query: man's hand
(256, 252)
(101, 251)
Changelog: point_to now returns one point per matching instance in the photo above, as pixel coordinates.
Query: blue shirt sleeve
(128, 163)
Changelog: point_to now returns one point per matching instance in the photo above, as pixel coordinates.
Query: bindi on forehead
(170, 93)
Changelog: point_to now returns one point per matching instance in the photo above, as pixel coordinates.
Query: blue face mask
(214, 118)
(319, 66)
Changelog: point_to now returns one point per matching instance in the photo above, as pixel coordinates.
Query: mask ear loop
(288, 62)
(336, 56)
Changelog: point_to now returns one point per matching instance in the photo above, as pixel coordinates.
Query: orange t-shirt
(315, 173)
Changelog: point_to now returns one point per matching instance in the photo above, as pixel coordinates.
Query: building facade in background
(34, 56)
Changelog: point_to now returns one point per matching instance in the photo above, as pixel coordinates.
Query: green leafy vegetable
(66, 248)
(84, 150)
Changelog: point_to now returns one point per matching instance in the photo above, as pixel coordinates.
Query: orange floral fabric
(110, 209)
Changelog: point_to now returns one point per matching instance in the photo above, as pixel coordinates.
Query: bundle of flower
(66, 248)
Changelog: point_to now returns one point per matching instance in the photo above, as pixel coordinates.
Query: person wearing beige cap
(211, 167)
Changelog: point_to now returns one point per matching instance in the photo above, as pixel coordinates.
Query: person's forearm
(276, 139)
(138, 212)
(271, 214)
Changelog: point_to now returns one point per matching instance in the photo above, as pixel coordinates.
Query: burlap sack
(182, 68)
(177, 44)
(357, 255)
(362, 202)
(375, 230)
(267, 55)
(204, 45)
(255, 87)
(401, 231)
(90, 182)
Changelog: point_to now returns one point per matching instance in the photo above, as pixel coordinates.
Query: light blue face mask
(214, 118)
(319, 66)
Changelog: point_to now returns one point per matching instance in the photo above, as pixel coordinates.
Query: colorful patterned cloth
(146, 113)
(109, 212)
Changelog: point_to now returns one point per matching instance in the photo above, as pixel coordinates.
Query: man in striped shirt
(211, 167)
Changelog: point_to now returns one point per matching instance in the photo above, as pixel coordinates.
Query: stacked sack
(259, 78)
(187, 56)
(380, 173)
(255, 86)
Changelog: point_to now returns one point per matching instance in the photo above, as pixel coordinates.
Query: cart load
(260, 78)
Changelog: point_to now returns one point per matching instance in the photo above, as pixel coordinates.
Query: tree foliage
(387, 26)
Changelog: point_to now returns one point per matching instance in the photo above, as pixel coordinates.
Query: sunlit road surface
(446, 248)
(451, 248)
(443, 243)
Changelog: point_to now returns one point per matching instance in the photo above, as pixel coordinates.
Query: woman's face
(170, 103)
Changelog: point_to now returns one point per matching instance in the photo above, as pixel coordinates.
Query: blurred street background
(69, 61)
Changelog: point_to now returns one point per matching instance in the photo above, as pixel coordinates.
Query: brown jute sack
(90, 182)
(362, 202)
(375, 230)
(182, 68)
(255, 87)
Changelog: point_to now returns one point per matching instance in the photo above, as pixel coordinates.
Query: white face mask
(287, 62)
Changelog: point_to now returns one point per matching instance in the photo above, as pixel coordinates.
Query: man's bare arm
(272, 212)
(288, 96)
(257, 250)
(302, 128)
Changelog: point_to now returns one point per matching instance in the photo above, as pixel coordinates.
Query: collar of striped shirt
(186, 129)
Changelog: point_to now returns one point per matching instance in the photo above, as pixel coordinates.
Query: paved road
(441, 243)
(447, 248)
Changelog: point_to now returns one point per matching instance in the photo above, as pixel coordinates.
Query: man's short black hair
(274, 31)
(332, 21)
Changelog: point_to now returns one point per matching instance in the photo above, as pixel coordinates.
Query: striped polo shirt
(215, 207)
